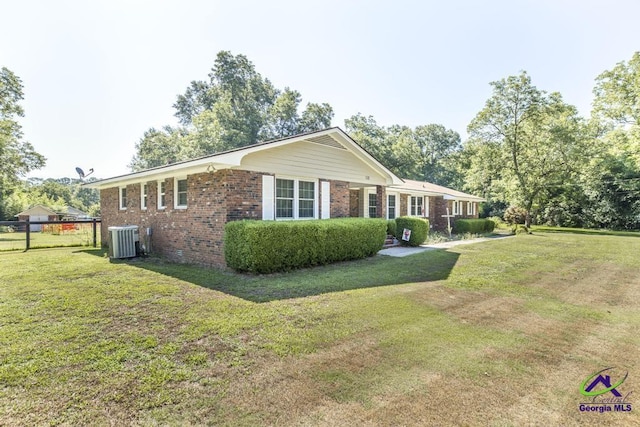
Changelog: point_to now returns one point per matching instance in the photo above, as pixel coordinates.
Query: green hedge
(474, 226)
(391, 227)
(419, 229)
(270, 246)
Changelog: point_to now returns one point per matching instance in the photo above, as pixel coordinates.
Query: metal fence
(53, 228)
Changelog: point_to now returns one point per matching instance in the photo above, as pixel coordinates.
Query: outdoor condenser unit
(124, 241)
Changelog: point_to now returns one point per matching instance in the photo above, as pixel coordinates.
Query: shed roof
(37, 210)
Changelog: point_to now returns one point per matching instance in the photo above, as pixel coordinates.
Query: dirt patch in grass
(282, 391)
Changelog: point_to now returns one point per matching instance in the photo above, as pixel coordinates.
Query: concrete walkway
(402, 251)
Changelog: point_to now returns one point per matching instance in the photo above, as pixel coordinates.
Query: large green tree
(439, 148)
(158, 148)
(527, 140)
(617, 92)
(55, 193)
(612, 184)
(426, 153)
(17, 157)
(234, 108)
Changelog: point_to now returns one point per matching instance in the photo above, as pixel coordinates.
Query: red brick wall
(381, 201)
(196, 234)
(354, 203)
(190, 235)
(340, 199)
(243, 190)
(440, 208)
(403, 205)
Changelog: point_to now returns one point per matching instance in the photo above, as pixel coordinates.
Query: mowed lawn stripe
(500, 333)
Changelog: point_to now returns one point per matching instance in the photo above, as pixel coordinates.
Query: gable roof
(71, 211)
(430, 189)
(331, 137)
(37, 210)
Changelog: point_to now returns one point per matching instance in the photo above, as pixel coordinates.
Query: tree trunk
(527, 218)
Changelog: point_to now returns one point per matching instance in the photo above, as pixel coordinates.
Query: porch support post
(381, 201)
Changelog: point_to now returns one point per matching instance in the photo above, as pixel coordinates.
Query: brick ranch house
(323, 174)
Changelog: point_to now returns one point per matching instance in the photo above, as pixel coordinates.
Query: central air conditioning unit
(124, 240)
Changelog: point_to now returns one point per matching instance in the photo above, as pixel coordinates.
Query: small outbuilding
(37, 213)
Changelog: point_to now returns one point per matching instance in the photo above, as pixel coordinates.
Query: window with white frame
(471, 208)
(296, 199)
(373, 205)
(144, 192)
(162, 199)
(457, 207)
(391, 206)
(306, 199)
(285, 190)
(123, 197)
(415, 205)
(180, 193)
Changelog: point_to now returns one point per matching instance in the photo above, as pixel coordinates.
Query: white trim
(396, 205)
(159, 194)
(144, 195)
(471, 208)
(268, 197)
(325, 196)
(426, 206)
(175, 192)
(233, 159)
(418, 197)
(368, 201)
(457, 207)
(122, 206)
(365, 201)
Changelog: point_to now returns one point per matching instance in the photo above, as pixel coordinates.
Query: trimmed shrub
(419, 229)
(391, 227)
(270, 246)
(515, 215)
(473, 226)
(498, 222)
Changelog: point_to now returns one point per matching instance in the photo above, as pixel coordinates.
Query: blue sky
(97, 74)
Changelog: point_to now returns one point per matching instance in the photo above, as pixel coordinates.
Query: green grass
(498, 333)
(17, 240)
(600, 232)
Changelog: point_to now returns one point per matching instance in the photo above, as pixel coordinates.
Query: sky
(97, 74)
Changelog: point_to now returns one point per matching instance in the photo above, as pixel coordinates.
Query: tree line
(527, 147)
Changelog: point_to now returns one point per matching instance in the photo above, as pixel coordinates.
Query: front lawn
(494, 333)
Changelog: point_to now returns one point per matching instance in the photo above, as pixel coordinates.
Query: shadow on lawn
(367, 273)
